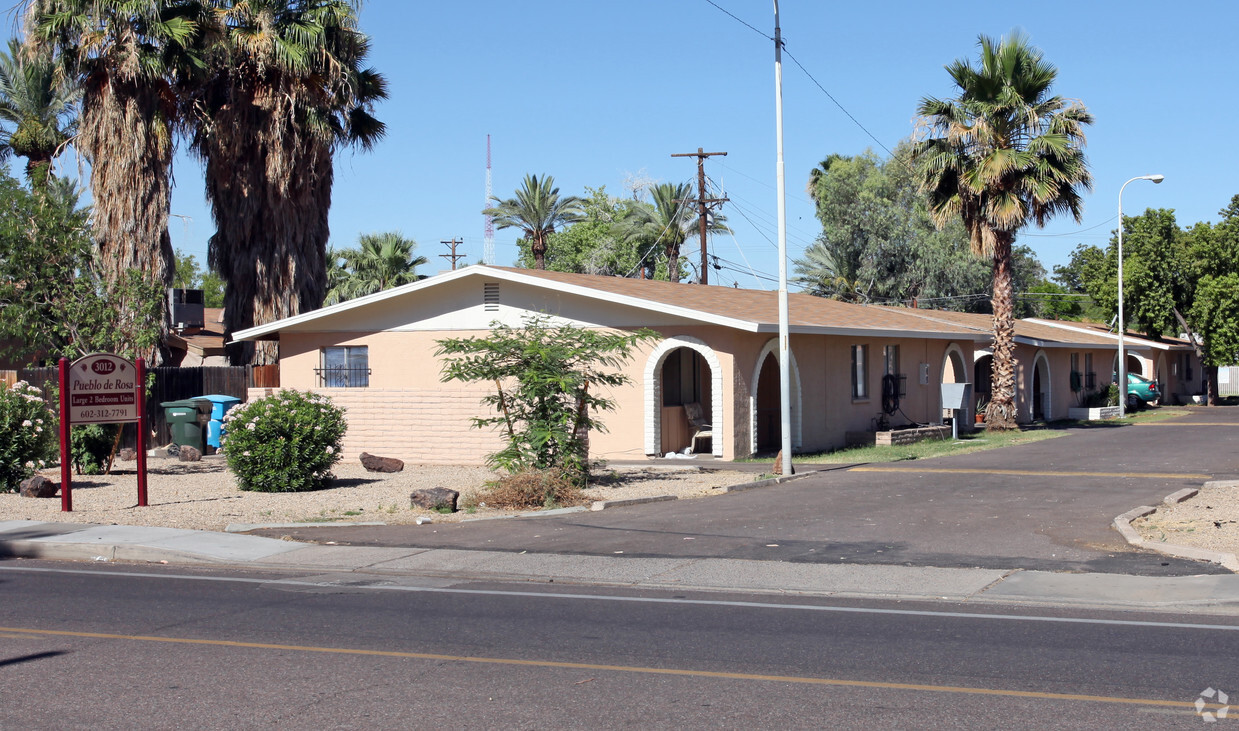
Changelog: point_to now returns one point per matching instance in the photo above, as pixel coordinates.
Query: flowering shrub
(287, 442)
(27, 437)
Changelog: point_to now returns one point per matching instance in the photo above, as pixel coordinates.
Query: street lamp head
(1155, 178)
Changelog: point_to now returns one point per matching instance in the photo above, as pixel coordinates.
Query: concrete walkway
(1211, 594)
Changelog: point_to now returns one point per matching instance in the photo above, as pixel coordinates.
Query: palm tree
(668, 220)
(284, 89)
(380, 262)
(126, 55)
(40, 104)
(1001, 155)
(537, 210)
(820, 272)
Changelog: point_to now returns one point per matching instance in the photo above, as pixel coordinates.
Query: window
(345, 367)
(1187, 365)
(860, 378)
(1090, 376)
(1077, 378)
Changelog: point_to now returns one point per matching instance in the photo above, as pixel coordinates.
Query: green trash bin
(186, 420)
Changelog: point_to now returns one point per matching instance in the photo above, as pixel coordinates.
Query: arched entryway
(1040, 391)
(1134, 365)
(682, 370)
(953, 369)
(982, 376)
(766, 416)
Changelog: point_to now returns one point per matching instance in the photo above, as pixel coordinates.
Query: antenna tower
(488, 232)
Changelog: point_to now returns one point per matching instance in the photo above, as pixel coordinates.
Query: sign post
(100, 389)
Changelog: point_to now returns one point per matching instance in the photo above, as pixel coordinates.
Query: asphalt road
(101, 647)
(1047, 506)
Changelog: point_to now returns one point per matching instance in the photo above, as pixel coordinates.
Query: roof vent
(490, 296)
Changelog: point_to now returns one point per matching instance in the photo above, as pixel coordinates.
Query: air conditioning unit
(185, 308)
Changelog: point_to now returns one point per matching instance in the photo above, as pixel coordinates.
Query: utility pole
(453, 256)
(703, 203)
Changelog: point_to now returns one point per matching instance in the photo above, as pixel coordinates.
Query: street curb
(1123, 525)
(246, 527)
(105, 553)
(624, 502)
(766, 483)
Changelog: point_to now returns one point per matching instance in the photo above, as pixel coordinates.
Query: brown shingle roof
(805, 312)
(1026, 329)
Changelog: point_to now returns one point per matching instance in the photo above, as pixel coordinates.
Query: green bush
(27, 434)
(284, 443)
(90, 445)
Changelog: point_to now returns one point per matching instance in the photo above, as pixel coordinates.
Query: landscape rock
(375, 463)
(127, 454)
(39, 486)
(189, 454)
(434, 498)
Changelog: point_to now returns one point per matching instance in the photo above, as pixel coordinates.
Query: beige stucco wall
(407, 412)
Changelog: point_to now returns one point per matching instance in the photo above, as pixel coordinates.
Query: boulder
(189, 454)
(127, 455)
(375, 463)
(39, 486)
(434, 498)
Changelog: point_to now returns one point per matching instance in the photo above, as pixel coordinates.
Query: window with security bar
(344, 367)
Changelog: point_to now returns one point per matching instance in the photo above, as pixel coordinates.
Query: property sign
(103, 389)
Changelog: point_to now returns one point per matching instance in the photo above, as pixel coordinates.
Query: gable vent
(490, 296)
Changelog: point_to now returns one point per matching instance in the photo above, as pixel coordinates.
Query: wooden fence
(172, 384)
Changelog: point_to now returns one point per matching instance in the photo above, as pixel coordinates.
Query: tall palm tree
(380, 262)
(285, 88)
(667, 221)
(127, 56)
(39, 105)
(537, 210)
(1001, 155)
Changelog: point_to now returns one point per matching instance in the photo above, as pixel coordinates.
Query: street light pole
(1122, 326)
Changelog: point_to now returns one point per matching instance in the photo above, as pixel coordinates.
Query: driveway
(1047, 505)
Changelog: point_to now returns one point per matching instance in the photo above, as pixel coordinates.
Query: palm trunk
(1001, 413)
(269, 184)
(673, 262)
(537, 247)
(126, 134)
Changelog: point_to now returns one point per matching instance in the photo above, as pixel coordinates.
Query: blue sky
(596, 92)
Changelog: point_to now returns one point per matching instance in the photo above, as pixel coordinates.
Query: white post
(785, 411)
(1122, 326)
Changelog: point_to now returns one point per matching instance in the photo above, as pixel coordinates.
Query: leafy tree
(284, 87)
(549, 382)
(1001, 155)
(537, 210)
(189, 275)
(380, 262)
(595, 244)
(127, 56)
(879, 242)
(53, 302)
(667, 221)
(39, 108)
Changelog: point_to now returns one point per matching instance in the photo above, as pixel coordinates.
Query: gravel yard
(1209, 520)
(204, 496)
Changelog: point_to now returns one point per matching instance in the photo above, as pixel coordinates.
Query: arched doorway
(765, 420)
(1134, 365)
(954, 371)
(1041, 388)
(682, 370)
(982, 377)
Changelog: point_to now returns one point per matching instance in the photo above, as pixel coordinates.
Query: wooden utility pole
(703, 203)
(453, 256)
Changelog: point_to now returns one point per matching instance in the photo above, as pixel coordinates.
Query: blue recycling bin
(219, 406)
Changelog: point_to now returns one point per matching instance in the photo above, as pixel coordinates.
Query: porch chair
(697, 423)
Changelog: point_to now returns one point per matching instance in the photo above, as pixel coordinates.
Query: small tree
(548, 387)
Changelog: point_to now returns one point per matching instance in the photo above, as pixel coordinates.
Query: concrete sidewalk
(1215, 594)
